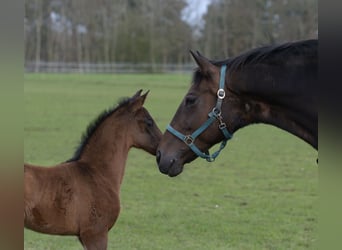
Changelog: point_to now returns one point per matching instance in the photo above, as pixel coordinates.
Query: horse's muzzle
(168, 165)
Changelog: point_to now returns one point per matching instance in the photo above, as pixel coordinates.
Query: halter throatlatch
(215, 114)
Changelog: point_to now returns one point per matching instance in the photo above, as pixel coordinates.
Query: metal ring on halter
(221, 94)
(188, 140)
(216, 111)
(222, 125)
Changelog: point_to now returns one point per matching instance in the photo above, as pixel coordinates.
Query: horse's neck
(286, 119)
(107, 150)
(268, 99)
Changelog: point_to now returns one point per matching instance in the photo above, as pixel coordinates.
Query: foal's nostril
(158, 155)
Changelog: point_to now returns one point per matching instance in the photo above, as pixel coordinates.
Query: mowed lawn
(261, 192)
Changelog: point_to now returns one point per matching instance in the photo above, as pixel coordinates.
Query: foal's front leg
(94, 241)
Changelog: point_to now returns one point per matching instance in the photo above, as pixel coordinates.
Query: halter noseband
(213, 115)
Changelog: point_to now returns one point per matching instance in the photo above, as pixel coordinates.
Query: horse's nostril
(158, 155)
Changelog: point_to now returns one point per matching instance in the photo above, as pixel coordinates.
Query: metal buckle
(222, 125)
(188, 140)
(216, 111)
(221, 94)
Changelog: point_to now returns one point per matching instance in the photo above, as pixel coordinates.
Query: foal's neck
(107, 149)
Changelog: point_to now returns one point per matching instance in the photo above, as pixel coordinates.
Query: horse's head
(195, 126)
(145, 132)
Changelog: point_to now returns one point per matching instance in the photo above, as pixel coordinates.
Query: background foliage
(159, 31)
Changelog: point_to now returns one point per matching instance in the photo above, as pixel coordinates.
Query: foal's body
(52, 200)
(81, 196)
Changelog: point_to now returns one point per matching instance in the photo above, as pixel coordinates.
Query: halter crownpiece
(215, 114)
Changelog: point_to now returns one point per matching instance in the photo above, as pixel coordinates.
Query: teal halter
(213, 115)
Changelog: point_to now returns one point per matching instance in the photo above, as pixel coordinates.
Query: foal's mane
(263, 55)
(93, 125)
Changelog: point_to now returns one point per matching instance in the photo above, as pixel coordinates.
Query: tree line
(157, 31)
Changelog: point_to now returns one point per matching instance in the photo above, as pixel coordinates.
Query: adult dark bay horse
(81, 196)
(274, 85)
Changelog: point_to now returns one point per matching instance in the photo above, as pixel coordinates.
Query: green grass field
(261, 192)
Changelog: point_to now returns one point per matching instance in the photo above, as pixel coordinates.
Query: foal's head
(144, 132)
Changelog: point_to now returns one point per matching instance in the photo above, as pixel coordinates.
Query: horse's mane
(93, 125)
(263, 55)
(270, 53)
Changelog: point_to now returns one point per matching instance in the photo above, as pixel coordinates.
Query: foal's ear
(138, 100)
(137, 94)
(206, 67)
(143, 97)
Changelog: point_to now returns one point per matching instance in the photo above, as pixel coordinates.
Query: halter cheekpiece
(215, 114)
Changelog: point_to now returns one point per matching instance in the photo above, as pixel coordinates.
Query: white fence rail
(66, 67)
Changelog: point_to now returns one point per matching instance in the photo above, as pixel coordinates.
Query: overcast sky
(195, 10)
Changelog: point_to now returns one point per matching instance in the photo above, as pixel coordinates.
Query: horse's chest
(105, 208)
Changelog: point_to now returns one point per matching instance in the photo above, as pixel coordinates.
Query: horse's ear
(138, 100)
(143, 97)
(137, 94)
(206, 67)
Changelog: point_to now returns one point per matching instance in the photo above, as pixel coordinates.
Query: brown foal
(82, 196)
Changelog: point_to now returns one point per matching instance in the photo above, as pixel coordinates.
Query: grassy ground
(261, 193)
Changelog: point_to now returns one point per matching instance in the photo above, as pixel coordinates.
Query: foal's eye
(190, 100)
(149, 122)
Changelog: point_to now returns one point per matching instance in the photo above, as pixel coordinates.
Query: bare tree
(154, 31)
(38, 24)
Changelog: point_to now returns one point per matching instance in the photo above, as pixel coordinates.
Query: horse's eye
(190, 100)
(149, 122)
